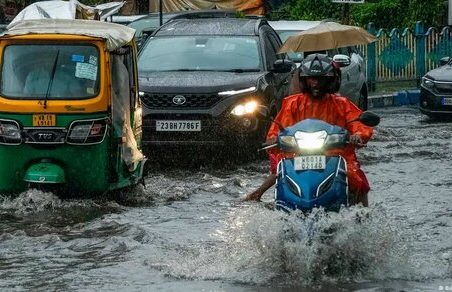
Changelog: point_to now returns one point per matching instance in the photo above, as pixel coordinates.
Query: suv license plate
(178, 126)
(447, 101)
(310, 162)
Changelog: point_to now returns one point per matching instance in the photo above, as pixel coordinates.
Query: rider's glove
(356, 140)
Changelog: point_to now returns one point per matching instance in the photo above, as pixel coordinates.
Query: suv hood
(443, 73)
(199, 82)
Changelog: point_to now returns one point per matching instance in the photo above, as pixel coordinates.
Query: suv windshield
(200, 53)
(52, 71)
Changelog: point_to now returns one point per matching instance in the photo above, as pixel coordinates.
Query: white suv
(353, 83)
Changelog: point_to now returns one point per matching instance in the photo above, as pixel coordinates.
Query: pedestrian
(319, 79)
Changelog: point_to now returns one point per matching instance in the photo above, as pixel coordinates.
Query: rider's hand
(254, 196)
(356, 140)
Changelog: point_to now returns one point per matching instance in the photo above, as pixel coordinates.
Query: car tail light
(87, 132)
(10, 132)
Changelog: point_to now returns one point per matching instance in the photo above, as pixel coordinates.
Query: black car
(202, 80)
(436, 90)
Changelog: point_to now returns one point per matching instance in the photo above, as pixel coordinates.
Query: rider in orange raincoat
(320, 78)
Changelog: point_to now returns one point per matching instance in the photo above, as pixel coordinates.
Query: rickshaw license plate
(310, 162)
(178, 125)
(447, 101)
(44, 120)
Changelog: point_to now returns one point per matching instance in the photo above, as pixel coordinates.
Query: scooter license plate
(310, 162)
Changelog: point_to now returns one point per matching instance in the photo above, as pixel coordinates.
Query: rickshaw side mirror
(369, 119)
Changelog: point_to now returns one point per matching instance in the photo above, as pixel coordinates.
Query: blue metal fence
(405, 55)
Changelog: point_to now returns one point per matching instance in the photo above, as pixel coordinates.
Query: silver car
(353, 83)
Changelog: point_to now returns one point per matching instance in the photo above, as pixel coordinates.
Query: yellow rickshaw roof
(116, 35)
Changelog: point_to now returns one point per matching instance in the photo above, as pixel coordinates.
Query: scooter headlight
(10, 132)
(334, 139)
(311, 141)
(288, 141)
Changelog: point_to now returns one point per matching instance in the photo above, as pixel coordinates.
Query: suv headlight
(310, 141)
(235, 92)
(427, 83)
(10, 132)
(245, 108)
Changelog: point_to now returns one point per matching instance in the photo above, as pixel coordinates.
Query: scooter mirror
(369, 119)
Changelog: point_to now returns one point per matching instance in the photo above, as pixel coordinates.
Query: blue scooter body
(309, 188)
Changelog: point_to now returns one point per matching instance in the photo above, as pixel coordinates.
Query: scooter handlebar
(266, 146)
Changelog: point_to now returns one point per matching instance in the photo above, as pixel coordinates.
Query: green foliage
(384, 13)
(240, 14)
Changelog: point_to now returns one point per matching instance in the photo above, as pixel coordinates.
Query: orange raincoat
(333, 109)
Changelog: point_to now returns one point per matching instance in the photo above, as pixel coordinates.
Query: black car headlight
(427, 82)
(245, 108)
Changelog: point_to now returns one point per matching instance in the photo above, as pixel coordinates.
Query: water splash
(261, 246)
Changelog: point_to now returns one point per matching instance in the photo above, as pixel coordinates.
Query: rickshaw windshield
(50, 71)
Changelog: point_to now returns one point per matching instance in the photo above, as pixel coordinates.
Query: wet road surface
(189, 230)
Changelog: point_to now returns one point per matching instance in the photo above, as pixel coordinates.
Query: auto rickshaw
(70, 114)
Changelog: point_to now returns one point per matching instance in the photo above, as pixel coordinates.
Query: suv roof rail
(212, 13)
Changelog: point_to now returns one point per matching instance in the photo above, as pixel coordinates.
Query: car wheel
(363, 100)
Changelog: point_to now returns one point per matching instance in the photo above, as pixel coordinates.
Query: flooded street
(189, 230)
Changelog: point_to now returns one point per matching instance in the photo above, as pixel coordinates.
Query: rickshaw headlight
(87, 132)
(10, 132)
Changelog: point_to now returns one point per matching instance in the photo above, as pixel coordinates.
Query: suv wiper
(49, 86)
(188, 70)
(241, 70)
(180, 70)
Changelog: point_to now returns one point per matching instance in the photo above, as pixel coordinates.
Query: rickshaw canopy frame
(116, 35)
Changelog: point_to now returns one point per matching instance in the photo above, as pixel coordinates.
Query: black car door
(279, 81)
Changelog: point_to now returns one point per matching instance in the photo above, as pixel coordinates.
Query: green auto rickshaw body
(81, 134)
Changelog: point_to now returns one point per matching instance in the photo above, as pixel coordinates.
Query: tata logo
(179, 99)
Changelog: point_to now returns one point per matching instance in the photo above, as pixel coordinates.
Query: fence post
(420, 51)
(371, 59)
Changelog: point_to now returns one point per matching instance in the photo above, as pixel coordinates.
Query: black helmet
(317, 65)
(323, 67)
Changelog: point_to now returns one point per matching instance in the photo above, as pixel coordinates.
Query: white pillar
(449, 19)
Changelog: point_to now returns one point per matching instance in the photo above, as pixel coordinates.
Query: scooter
(312, 178)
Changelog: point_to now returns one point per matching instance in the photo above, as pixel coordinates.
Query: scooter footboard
(309, 188)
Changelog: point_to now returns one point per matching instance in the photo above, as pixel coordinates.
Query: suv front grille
(162, 100)
(443, 87)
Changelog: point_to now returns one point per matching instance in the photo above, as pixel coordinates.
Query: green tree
(384, 13)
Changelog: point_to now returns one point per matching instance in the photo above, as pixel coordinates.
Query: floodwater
(188, 230)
